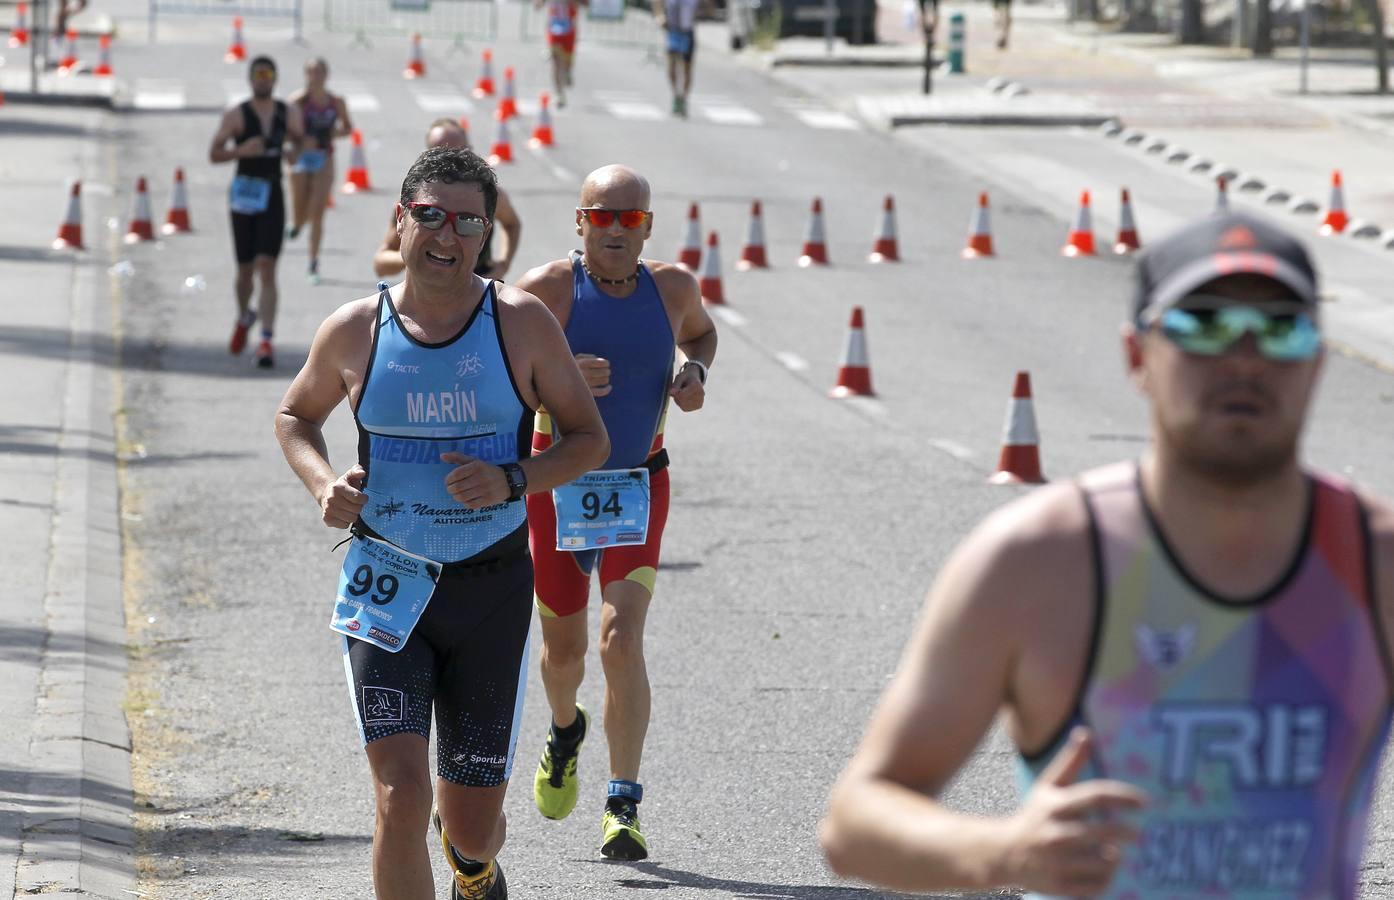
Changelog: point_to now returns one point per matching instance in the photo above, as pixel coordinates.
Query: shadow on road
(661, 878)
(18, 640)
(210, 359)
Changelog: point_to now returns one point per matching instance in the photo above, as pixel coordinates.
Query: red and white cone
(1020, 459)
(980, 233)
(416, 63)
(502, 151)
(854, 375)
(753, 253)
(142, 228)
(69, 63)
(484, 86)
(1081, 239)
(70, 232)
(237, 50)
(1128, 240)
(690, 253)
(815, 245)
(1336, 219)
(177, 221)
(1221, 194)
(508, 103)
(710, 282)
(103, 69)
(887, 246)
(542, 130)
(19, 34)
(356, 178)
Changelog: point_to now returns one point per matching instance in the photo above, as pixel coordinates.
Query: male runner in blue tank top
(1191, 651)
(624, 319)
(443, 373)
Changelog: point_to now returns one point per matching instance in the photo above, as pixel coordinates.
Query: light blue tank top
(421, 400)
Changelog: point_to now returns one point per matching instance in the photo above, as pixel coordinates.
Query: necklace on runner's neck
(634, 276)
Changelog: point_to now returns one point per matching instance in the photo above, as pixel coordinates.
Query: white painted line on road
(235, 91)
(528, 107)
(362, 103)
(731, 115)
(627, 109)
(953, 448)
(869, 405)
(792, 362)
(728, 315)
(440, 103)
(157, 93)
(827, 118)
(560, 172)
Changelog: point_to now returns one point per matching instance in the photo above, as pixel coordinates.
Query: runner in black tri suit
(258, 128)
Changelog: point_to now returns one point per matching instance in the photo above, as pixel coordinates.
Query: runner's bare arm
(958, 671)
(1382, 532)
(228, 129)
(507, 221)
(695, 333)
(388, 260)
(343, 125)
(295, 133)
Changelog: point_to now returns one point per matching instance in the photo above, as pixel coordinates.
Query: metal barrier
(620, 23)
(459, 20)
(227, 9)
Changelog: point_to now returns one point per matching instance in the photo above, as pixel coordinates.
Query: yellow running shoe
(554, 787)
(620, 826)
(487, 884)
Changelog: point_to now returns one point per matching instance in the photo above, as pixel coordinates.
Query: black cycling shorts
(467, 658)
(261, 234)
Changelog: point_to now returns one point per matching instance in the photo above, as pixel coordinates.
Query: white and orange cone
(542, 130)
(237, 50)
(1020, 459)
(69, 63)
(177, 220)
(710, 282)
(356, 178)
(416, 63)
(70, 232)
(854, 375)
(815, 245)
(103, 69)
(887, 246)
(502, 151)
(142, 228)
(1221, 194)
(753, 253)
(508, 103)
(690, 253)
(1128, 239)
(980, 234)
(19, 34)
(1081, 239)
(1336, 219)
(484, 85)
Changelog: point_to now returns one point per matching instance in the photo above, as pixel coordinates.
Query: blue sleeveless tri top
(635, 335)
(421, 400)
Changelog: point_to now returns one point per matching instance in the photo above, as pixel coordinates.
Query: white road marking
(827, 118)
(953, 448)
(440, 103)
(236, 91)
(157, 93)
(358, 97)
(792, 362)
(727, 315)
(560, 172)
(628, 109)
(731, 115)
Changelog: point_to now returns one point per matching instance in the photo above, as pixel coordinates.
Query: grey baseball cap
(1222, 244)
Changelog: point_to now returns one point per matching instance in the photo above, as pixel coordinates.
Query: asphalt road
(804, 531)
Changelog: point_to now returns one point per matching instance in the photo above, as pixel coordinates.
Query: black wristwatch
(517, 481)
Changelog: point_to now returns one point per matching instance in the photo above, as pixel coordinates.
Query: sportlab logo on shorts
(382, 704)
(477, 759)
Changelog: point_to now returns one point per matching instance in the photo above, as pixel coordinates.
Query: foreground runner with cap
(443, 373)
(624, 318)
(1191, 650)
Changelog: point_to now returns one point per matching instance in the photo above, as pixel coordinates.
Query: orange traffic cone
(19, 34)
(854, 375)
(710, 282)
(1127, 229)
(141, 227)
(542, 131)
(887, 247)
(356, 179)
(753, 253)
(1081, 239)
(502, 151)
(980, 234)
(416, 65)
(815, 245)
(103, 69)
(690, 253)
(1221, 195)
(237, 50)
(1336, 219)
(508, 103)
(69, 62)
(1020, 459)
(484, 87)
(177, 221)
(70, 232)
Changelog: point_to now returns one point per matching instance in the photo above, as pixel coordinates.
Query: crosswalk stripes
(827, 118)
(358, 98)
(443, 103)
(157, 93)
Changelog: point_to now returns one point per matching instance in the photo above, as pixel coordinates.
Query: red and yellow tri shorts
(565, 42)
(561, 579)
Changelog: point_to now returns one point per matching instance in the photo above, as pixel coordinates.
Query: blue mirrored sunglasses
(1288, 336)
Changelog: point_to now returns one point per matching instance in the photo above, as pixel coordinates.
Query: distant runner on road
(626, 320)
(326, 118)
(443, 373)
(1191, 651)
(258, 129)
(561, 18)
